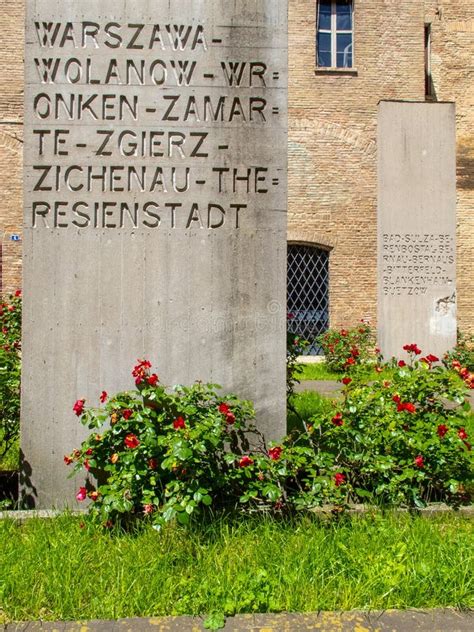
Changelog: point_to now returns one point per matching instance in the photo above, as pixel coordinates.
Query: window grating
(308, 293)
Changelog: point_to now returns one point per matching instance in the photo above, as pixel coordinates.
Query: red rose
(339, 479)
(350, 361)
(89, 452)
(337, 420)
(346, 381)
(78, 407)
(152, 464)
(355, 352)
(462, 434)
(413, 348)
(87, 464)
(290, 316)
(94, 495)
(224, 409)
(377, 350)
(230, 418)
(245, 461)
(68, 460)
(410, 408)
(140, 371)
(81, 494)
(275, 453)
(127, 413)
(131, 441)
(402, 363)
(148, 509)
(343, 333)
(442, 430)
(153, 379)
(18, 293)
(432, 358)
(396, 399)
(179, 424)
(103, 397)
(419, 461)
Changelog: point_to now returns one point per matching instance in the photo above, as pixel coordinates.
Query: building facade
(344, 57)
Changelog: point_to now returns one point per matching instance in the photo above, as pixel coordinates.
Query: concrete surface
(416, 227)
(390, 621)
(155, 213)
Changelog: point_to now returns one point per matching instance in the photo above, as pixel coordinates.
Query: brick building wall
(11, 118)
(333, 130)
(332, 136)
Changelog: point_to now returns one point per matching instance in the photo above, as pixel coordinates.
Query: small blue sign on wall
(15, 238)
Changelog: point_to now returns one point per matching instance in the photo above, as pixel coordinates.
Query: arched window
(308, 293)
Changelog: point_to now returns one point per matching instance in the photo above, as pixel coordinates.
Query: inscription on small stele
(417, 227)
(155, 210)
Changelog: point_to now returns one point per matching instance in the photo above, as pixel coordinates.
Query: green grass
(54, 570)
(11, 460)
(317, 371)
(320, 371)
(304, 406)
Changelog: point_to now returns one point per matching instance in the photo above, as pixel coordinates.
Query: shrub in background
(461, 358)
(403, 441)
(10, 371)
(345, 349)
(295, 347)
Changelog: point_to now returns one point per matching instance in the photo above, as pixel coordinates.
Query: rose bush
(10, 371)
(166, 455)
(170, 455)
(463, 352)
(403, 441)
(346, 349)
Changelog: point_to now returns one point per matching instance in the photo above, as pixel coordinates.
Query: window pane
(324, 21)
(344, 15)
(344, 50)
(324, 49)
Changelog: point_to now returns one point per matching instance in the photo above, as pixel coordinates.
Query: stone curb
(431, 510)
(390, 621)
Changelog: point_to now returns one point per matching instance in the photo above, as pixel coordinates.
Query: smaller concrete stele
(416, 227)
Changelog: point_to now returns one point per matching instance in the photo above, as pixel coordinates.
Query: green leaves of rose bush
(10, 371)
(173, 455)
(391, 456)
(348, 348)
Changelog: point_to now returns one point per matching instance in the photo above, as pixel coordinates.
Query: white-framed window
(335, 33)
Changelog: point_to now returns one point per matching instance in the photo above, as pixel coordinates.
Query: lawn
(62, 569)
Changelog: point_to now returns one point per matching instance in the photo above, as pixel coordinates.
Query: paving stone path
(391, 621)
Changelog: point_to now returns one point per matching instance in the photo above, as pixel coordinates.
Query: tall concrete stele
(417, 227)
(155, 210)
